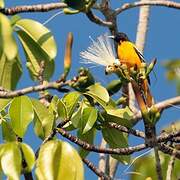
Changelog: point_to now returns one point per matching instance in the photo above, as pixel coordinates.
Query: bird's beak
(112, 37)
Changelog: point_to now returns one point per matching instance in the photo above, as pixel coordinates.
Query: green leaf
(114, 86)
(7, 132)
(120, 116)
(70, 101)
(116, 139)
(8, 44)
(98, 92)
(78, 5)
(53, 104)
(14, 19)
(40, 35)
(1, 3)
(4, 103)
(76, 118)
(10, 72)
(62, 162)
(34, 55)
(43, 119)
(87, 137)
(11, 161)
(21, 114)
(28, 156)
(145, 167)
(124, 113)
(61, 109)
(88, 118)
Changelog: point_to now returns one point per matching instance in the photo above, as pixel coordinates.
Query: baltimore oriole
(129, 55)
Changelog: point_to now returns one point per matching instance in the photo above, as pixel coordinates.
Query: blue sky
(162, 42)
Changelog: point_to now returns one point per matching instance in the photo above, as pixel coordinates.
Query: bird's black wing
(139, 54)
(142, 59)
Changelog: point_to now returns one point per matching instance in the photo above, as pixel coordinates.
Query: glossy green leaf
(21, 114)
(87, 137)
(70, 100)
(10, 72)
(40, 35)
(124, 113)
(43, 119)
(59, 160)
(11, 161)
(53, 104)
(14, 19)
(1, 3)
(4, 103)
(34, 55)
(97, 92)
(145, 167)
(8, 44)
(76, 118)
(116, 139)
(28, 156)
(88, 118)
(114, 86)
(7, 132)
(78, 5)
(62, 110)
(120, 116)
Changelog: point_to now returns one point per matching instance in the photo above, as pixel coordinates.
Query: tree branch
(97, 171)
(161, 106)
(102, 158)
(170, 166)
(90, 147)
(158, 163)
(164, 137)
(97, 20)
(126, 130)
(37, 88)
(169, 4)
(169, 150)
(32, 8)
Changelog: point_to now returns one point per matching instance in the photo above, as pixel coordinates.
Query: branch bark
(168, 103)
(97, 171)
(90, 147)
(169, 4)
(32, 8)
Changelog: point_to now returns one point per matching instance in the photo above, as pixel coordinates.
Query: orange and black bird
(129, 55)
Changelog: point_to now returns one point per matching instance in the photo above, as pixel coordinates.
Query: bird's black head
(119, 37)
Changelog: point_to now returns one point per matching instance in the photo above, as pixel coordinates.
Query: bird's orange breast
(127, 54)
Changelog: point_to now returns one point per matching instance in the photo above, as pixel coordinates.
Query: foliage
(86, 108)
(173, 72)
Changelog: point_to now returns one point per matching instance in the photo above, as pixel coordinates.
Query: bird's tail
(147, 93)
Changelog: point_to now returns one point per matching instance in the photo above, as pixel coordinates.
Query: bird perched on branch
(129, 55)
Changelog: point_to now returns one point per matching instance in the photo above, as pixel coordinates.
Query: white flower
(100, 52)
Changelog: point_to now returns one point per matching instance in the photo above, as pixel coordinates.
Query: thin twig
(126, 130)
(171, 166)
(37, 88)
(97, 20)
(164, 137)
(169, 4)
(90, 147)
(33, 8)
(168, 103)
(102, 158)
(158, 163)
(168, 150)
(97, 171)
